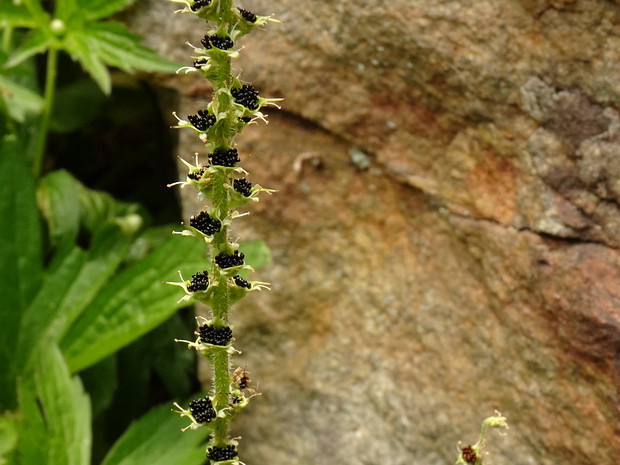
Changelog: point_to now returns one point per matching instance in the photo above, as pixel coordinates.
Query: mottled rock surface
(445, 239)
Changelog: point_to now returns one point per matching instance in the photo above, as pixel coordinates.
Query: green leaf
(257, 254)
(46, 306)
(98, 208)
(69, 12)
(97, 9)
(32, 435)
(118, 47)
(36, 10)
(69, 290)
(58, 201)
(20, 256)
(20, 100)
(38, 42)
(67, 205)
(157, 439)
(86, 51)
(12, 15)
(8, 437)
(151, 238)
(67, 411)
(135, 302)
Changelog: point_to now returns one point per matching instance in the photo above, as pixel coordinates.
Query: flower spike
(222, 185)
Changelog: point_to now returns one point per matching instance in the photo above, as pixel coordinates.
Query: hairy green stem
(220, 200)
(220, 358)
(225, 7)
(50, 86)
(221, 383)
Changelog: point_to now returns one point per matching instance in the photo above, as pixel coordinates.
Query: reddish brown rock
(445, 237)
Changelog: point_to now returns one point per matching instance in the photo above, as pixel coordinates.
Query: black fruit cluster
(209, 334)
(224, 260)
(203, 120)
(246, 95)
(221, 157)
(199, 62)
(205, 224)
(245, 119)
(223, 43)
(196, 175)
(198, 4)
(202, 410)
(219, 454)
(239, 281)
(200, 282)
(247, 15)
(243, 186)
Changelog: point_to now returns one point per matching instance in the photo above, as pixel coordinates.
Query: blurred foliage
(88, 328)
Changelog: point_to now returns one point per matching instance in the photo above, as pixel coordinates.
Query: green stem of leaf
(50, 87)
(7, 38)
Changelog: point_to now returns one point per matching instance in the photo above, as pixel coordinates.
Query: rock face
(445, 237)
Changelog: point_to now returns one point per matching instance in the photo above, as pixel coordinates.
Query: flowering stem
(233, 106)
(50, 85)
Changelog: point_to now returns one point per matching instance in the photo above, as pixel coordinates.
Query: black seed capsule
(221, 157)
(247, 15)
(197, 175)
(205, 224)
(246, 95)
(243, 186)
(209, 334)
(223, 43)
(198, 4)
(224, 260)
(203, 120)
(200, 282)
(219, 454)
(207, 117)
(196, 121)
(245, 119)
(198, 63)
(206, 42)
(204, 114)
(239, 281)
(202, 410)
(468, 454)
